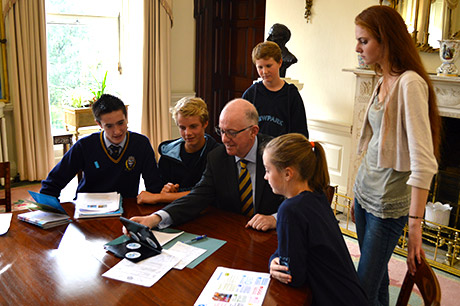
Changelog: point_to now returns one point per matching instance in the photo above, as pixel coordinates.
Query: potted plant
(79, 113)
(98, 93)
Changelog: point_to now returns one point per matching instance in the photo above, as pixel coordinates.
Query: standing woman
(401, 135)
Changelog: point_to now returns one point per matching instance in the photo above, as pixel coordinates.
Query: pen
(195, 239)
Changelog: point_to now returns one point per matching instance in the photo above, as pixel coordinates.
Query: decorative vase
(448, 52)
(438, 213)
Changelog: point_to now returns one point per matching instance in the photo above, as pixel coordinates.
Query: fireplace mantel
(447, 91)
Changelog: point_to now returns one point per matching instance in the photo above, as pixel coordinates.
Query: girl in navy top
(311, 249)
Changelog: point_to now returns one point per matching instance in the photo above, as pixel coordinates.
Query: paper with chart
(97, 203)
(234, 287)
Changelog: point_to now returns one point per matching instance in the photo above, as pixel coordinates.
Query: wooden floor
(21, 193)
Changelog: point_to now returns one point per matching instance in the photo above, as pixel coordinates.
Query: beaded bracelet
(415, 217)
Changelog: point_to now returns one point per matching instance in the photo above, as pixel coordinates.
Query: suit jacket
(219, 187)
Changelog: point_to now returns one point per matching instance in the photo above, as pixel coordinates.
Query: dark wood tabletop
(64, 265)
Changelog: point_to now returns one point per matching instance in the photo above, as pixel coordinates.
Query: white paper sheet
(5, 221)
(189, 254)
(164, 238)
(234, 287)
(144, 273)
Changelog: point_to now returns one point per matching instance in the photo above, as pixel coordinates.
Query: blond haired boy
(183, 160)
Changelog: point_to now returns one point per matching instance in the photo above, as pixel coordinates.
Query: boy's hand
(146, 197)
(170, 187)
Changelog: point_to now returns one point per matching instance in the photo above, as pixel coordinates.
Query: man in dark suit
(219, 185)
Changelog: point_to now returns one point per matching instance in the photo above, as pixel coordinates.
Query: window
(85, 40)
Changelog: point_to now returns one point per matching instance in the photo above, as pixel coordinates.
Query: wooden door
(226, 33)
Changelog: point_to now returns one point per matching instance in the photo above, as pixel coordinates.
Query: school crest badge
(130, 163)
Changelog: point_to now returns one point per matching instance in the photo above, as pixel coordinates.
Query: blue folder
(47, 202)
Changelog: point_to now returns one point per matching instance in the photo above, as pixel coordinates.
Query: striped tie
(114, 151)
(245, 187)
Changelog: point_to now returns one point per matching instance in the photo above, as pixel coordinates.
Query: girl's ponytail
(308, 157)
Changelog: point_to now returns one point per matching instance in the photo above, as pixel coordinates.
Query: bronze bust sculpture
(280, 34)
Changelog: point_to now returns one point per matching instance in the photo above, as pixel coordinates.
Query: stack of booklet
(49, 214)
(93, 205)
(44, 219)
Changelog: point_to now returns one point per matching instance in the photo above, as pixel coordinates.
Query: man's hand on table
(262, 222)
(150, 221)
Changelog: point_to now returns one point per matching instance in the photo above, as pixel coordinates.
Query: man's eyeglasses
(230, 133)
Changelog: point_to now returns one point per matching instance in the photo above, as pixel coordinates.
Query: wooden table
(63, 265)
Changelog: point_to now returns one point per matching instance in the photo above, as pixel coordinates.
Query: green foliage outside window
(82, 49)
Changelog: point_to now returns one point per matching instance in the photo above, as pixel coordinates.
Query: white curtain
(157, 70)
(26, 45)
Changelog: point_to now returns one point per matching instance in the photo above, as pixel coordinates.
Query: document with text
(186, 252)
(146, 272)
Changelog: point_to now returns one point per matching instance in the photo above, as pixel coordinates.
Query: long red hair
(387, 26)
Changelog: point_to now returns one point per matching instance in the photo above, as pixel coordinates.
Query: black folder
(142, 244)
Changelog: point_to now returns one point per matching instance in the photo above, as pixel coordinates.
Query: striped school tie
(245, 187)
(114, 151)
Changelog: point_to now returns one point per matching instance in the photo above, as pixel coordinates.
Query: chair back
(5, 173)
(427, 284)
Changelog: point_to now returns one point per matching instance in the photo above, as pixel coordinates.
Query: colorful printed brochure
(234, 287)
